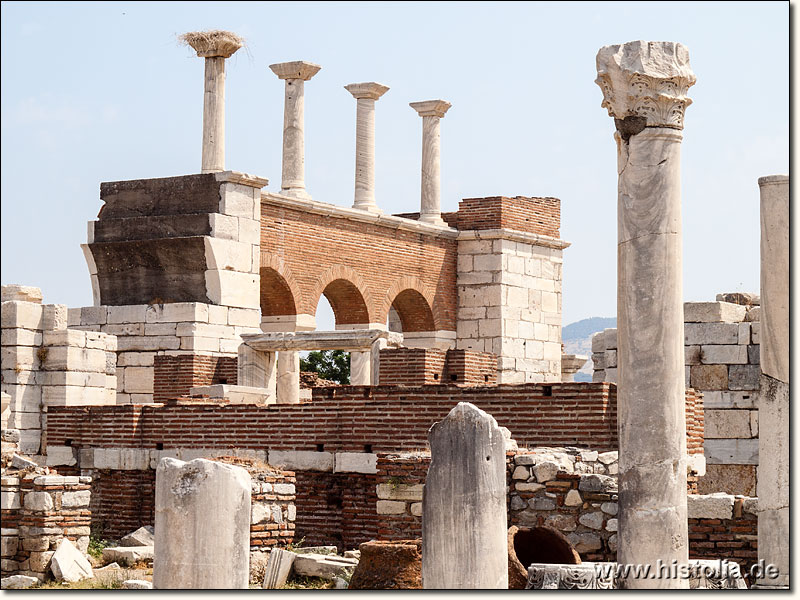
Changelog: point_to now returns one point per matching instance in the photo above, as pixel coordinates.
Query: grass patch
(86, 584)
(308, 583)
(96, 546)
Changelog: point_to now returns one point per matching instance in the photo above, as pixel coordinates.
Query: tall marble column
(215, 47)
(431, 112)
(644, 88)
(293, 171)
(365, 94)
(773, 394)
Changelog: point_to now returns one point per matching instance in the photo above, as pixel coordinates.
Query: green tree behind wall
(333, 365)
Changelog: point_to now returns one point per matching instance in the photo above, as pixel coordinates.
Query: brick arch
(413, 301)
(347, 294)
(280, 294)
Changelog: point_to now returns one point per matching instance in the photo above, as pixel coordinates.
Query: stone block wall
(38, 511)
(509, 302)
(180, 329)
(174, 376)
(722, 362)
(428, 366)
(45, 363)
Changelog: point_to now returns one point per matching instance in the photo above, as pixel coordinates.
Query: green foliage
(333, 365)
(96, 546)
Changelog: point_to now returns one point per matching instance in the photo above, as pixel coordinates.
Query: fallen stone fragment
(20, 462)
(279, 567)
(128, 555)
(17, 582)
(325, 566)
(143, 536)
(68, 564)
(137, 584)
(352, 553)
(109, 567)
(341, 584)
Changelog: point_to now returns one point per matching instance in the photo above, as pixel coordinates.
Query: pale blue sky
(97, 92)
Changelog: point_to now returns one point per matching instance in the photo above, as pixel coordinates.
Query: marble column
(431, 112)
(288, 384)
(773, 394)
(215, 48)
(644, 87)
(360, 368)
(365, 94)
(293, 171)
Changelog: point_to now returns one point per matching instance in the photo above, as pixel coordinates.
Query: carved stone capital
(298, 69)
(369, 90)
(646, 79)
(431, 108)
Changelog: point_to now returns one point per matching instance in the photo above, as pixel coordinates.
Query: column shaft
(365, 155)
(773, 394)
(293, 171)
(213, 158)
(650, 355)
(430, 205)
(288, 387)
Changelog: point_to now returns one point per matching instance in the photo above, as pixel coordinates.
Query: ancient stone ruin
(170, 420)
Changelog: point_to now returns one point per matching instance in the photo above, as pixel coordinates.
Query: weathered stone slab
(279, 567)
(301, 460)
(324, 565)
(137, 584)
(195, 551)
(18, 582)
(712, 506)
(731, 451)
(464, 527)
(128, 555)
(68, 564)
(144, 536)
(727, 424)
(713, 312)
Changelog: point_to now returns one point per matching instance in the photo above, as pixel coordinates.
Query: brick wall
(349, 418)
(336, 509)
(122, 501)
(425, 366)
(541, 216)
(360, 266)
(174, 376)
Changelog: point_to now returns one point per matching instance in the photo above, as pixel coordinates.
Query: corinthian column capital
(646, 79)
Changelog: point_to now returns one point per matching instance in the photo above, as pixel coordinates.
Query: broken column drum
(773, 394)
(464, 534)
(644, 88)
(215, 47)
(293, 169)
(202, 525)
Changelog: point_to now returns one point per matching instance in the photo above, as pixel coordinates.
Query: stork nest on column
(212, 43)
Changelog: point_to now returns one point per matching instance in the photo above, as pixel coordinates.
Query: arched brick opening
(277, 297)
(347, 302)
(414, 311)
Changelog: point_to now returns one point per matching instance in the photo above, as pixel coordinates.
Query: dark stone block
(141, 272)
(148, 228)
(185, 195)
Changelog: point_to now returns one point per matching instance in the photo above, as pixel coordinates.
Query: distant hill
(586, 327)
(577, 339)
